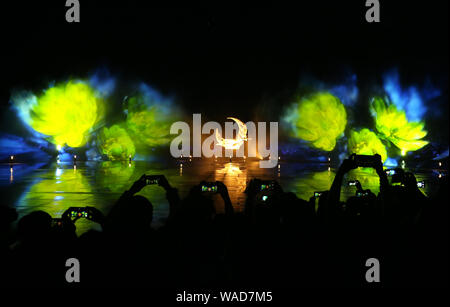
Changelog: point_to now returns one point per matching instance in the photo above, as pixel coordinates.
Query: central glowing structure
(233, 143)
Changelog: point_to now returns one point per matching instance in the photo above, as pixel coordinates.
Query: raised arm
(223, 191)
(384, 182)
(171, 195)
(335, 190)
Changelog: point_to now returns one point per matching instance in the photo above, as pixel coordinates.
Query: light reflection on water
(56, 187)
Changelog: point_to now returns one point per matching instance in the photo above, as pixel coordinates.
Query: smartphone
(266, 185)
(421, 184)
(390, 172)
(365, 160)
(57, 222)
(151, 179)
(317, 194)
(352, 182)
(209, 187)
(362, 193)
(80, 212)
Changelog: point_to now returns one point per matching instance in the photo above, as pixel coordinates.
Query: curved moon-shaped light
(233, 143)
(242, 128)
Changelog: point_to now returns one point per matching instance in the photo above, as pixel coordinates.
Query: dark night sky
(217, 58)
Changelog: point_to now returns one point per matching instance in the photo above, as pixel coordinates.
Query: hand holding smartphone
(209, 187)
(152, 179)
(317, 194)
(366, 160)
(80, 212)
(352, 183)
(266, 185)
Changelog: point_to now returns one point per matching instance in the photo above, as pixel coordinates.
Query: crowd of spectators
(278, 240)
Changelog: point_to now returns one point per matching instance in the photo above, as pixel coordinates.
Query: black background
(228, 57)
(216, 58)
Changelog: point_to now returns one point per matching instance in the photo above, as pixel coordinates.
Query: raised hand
(138, 185)
(378, 166)
(95, 215)
(222, 189)
(347, 165)
(162, 181)
(66, 216)
(253, 187)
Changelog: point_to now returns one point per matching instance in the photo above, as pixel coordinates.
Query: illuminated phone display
(206, 188)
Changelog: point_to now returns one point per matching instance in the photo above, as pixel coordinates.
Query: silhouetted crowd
(278, 240)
